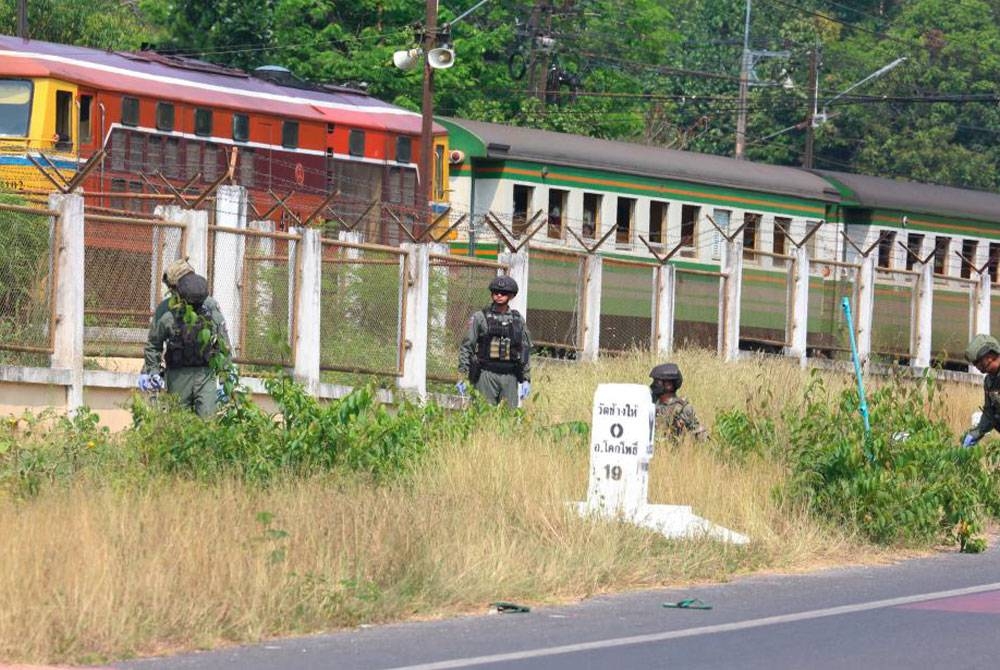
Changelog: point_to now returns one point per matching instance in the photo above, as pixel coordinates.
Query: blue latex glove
(149, 382)
(523, 390)
(220, 395)
(968, 441)
(462, 388)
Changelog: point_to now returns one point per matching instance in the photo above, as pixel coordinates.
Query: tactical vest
(501, 347)
(184, 350)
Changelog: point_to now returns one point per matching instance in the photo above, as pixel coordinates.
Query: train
(184, 121)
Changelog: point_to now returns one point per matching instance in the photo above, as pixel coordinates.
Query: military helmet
(981, 345)
(667, 372)
(503, 284)
(176, 270)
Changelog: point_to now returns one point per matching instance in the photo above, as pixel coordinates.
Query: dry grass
(100, 572)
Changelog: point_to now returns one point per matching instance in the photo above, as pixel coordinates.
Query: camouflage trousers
(497, 387)
(195, 389)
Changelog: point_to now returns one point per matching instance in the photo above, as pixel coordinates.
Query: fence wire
(26, 278)
(626, 305)
(554, 299)
(827, 331)
(892, 316)
(360, 314)
(124, 262)
(764, 307)
(950, 322)
(458, 287)
(696, 309)
(267, 313)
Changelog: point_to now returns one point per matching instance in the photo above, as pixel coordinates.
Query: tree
(103, 24)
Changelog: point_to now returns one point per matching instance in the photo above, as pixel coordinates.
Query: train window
(136, 151)
(409, 186)
(404, 149)
(130, 111)
(117, 186)
(689, 229)
(247, 168)
(914, 249)
(290, 134)
(202, 122)
(241, 127)
(118, 150)
(994, 263)
(135, 204)
(356, 142)
(395, 184)
(751, 226)
(165, 116)
(15, 107)
(722, 217)
(969, 248)
(657, 221)
(329, 128)
(86, 130)
(625, 217)
(782, 226)
(591, 215)
(886, 245)
(64, 114)
(557, 212)
(192, 159)
(522, 205)
(941, 245)
(171, 149)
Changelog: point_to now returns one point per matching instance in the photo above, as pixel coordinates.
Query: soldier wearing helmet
(675, 416)
(177, 356)
(495, 354)
(984, 353)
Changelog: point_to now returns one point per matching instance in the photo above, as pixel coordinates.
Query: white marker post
(621, 446)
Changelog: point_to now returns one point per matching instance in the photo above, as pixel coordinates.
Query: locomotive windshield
(15, 107)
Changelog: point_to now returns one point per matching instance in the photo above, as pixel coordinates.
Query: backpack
(193, 342)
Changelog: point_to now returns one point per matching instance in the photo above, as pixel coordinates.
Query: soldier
(495, 354)
(188, 341)
(675, 416)
(984, 353)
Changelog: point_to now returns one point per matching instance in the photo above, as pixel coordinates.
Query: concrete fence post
(414, 287)
(227, 261)
(664, 304)
(922, 309)
(309, 257)
(979, 320)
(864, 307)
(590, 303)
(730, 294)
(68, 294)
(518, 265)
(797, 328)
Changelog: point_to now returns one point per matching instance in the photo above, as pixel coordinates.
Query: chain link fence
(696, 309)
(267, 305)
(124, 260)
(952, 310)
(459, 286)
(626, 305)
(764, 303)
(26, 280)
(892, 315)
(827, 334)
(361, 314)
(554, 299)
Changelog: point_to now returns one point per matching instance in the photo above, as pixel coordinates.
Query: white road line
(700, 630)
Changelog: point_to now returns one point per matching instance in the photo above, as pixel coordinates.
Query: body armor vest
(184, 348)
(501, 348)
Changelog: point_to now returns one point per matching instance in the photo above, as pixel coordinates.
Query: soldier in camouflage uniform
(675, 416)
(984, 352)
(186, 361)
(495, 354)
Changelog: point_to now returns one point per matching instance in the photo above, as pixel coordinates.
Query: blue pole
(863, 408)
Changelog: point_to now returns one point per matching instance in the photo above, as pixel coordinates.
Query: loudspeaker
(441, 58)
(407, 59)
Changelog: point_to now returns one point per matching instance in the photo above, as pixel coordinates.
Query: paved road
(936, 612)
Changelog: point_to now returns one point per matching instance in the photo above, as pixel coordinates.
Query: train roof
(200, 83)
(915, 197)
(509, 142)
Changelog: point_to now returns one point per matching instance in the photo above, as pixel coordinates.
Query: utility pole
(427, 106)
(741, 111)
(807, 160)
(22, 19)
